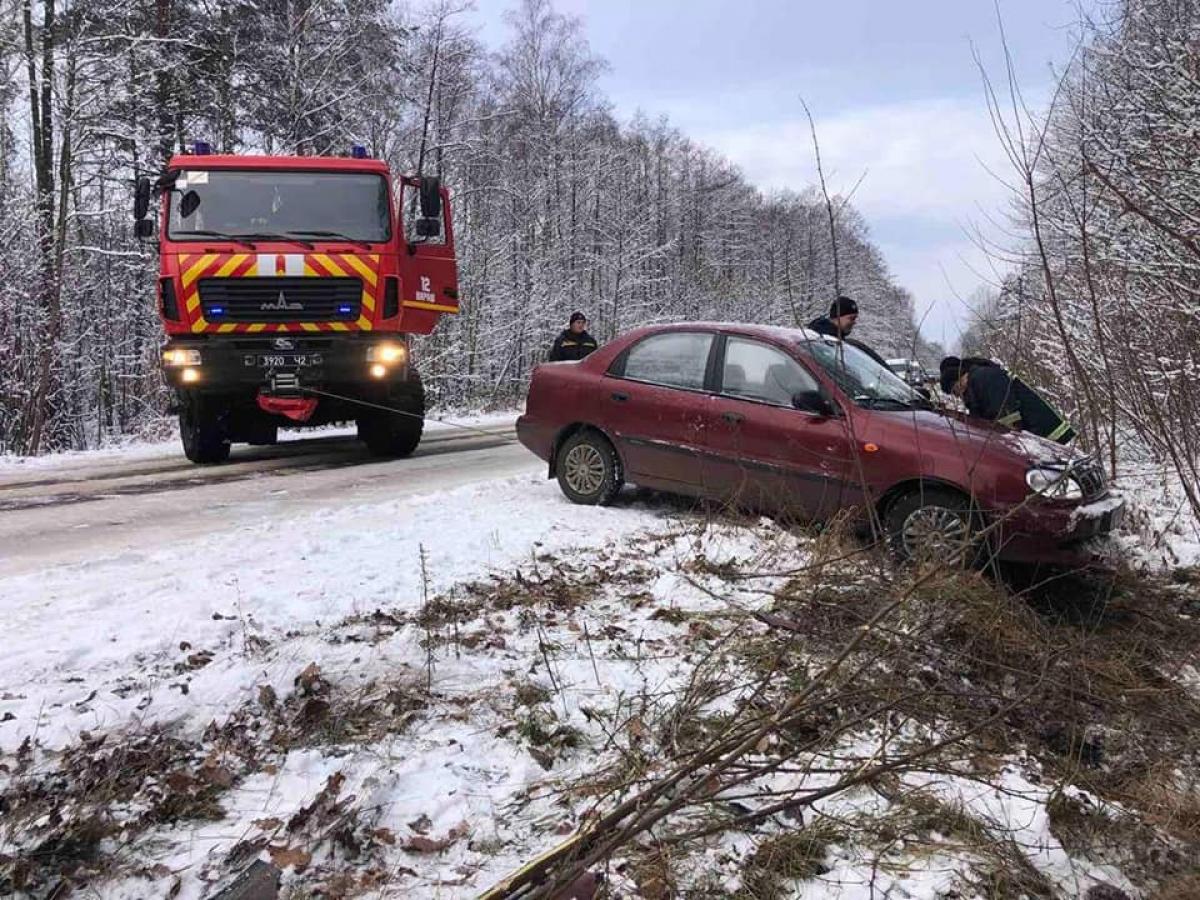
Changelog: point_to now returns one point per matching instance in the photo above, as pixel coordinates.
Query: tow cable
(398, 412)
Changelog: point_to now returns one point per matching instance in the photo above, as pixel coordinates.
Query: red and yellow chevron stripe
(194, 266)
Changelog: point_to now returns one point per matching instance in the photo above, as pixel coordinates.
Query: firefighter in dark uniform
(843, 313)
(990, 392)
(575, 342)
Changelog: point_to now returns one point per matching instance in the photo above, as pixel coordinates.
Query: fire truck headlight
(378, 371)
(387, 353)
(190, 376)
(181, 356)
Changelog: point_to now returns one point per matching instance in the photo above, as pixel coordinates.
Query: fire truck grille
(280, 299)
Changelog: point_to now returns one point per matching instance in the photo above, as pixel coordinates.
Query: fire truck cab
(288, 287)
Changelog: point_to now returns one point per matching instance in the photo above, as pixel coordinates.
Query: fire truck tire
(396, 434)
(203, 438)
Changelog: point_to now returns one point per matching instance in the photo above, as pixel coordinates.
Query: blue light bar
(201, 148)
(216, 310)
(358, 151)
(344, 309)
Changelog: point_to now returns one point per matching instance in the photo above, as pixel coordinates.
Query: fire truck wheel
(396, 434)
(203, 438)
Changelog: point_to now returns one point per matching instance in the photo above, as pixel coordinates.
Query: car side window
(755, 371)
(677, 359)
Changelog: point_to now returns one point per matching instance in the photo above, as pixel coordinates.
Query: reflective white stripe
(268, 264)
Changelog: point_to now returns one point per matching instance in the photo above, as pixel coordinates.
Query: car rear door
(652, 403)
(760, 450)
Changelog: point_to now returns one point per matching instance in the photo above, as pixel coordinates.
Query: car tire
(396, 434)
(935, 524)
(588, 469)
(202, 435)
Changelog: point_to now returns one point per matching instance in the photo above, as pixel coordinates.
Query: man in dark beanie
(843, 313)
(990, 392)
(574, 343)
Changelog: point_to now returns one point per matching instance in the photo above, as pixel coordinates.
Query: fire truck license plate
(285, 360)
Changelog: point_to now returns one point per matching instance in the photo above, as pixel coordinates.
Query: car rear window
(678, 359)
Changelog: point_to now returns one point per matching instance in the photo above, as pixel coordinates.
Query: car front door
(653, 405)
(760, 450)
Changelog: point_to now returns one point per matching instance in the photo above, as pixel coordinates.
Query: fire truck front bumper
(285, 365)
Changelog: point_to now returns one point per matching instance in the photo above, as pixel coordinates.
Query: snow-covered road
(69, 511)
(125, 558)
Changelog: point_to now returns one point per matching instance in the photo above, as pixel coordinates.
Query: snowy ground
(399, 697)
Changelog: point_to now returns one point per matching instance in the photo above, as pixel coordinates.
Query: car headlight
(181, 356)
(1058, 484)
(388, 354)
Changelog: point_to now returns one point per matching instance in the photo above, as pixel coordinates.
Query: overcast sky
(892, 85)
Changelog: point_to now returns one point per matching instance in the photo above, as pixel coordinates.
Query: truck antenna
(437, 46)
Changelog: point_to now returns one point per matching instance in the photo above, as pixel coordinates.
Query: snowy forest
(558, 205)
(1102, 297)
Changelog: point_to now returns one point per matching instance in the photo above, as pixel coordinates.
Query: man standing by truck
(574, 343)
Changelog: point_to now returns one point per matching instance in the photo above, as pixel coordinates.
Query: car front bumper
(1060, 535)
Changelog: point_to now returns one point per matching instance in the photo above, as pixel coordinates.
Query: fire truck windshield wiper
(336, 235)
(205, 232)
(274, 236)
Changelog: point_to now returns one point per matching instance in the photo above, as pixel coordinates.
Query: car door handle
(732, 417)
(619, 396)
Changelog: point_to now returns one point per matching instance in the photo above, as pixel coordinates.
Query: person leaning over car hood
(990, 392)
(574, 343)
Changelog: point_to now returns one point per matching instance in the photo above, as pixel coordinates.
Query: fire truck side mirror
(143, 229)
(188, 204)
(141, 198)
(429, 228)
(431, 197)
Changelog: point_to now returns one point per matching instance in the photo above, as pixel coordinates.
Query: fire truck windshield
(257, 204)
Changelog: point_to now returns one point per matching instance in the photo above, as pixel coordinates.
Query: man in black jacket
(990, 392)
(843, 313)
(574, 343)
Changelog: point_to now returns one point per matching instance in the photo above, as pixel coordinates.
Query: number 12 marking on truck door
(425, 294)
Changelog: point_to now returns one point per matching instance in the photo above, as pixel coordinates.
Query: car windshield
(862, 378)
(260, 204)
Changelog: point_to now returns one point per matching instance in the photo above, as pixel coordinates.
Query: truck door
(428, 268)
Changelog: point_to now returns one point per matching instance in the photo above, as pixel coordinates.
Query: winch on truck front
(287, 289)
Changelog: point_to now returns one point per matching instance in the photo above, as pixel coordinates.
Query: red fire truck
(288, 287)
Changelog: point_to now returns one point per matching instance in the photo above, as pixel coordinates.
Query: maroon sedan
(805, 426)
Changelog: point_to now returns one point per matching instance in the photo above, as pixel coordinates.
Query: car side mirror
(813, 402)
(189, 203)
(429, 228)
(143, 229)
(141, 197)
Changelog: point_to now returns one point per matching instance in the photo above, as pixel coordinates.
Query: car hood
(981, 435)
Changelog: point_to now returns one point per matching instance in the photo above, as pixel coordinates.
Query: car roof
(771, 332)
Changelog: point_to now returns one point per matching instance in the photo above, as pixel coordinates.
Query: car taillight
(166, 299)
(391, 298)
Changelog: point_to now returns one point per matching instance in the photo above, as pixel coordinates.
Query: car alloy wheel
(584, 469)
(935, 532)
